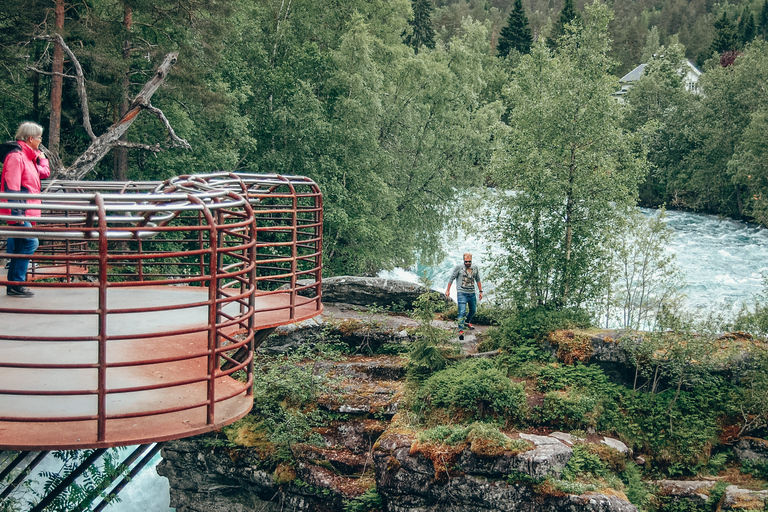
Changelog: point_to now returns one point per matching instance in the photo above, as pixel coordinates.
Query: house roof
(634, 75)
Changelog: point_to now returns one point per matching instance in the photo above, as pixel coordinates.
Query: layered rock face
(479, 483)
(368, 392)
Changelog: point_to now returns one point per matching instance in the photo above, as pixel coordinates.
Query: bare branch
(80, 78)
(155, 148)
(177, 142)
(48, 73)
(103, 144)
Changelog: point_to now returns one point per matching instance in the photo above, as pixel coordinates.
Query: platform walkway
(155, 371)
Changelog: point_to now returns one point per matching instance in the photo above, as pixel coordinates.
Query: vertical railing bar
(213, 286)
(319, 238)
(102, 336)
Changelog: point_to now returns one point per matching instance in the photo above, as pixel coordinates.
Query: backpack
(5, 148)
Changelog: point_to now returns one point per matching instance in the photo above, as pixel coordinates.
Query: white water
(723, 260)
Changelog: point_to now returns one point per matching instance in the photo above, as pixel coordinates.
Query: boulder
(752, 449)
(687, 493)
(739, 499)
(366, 291)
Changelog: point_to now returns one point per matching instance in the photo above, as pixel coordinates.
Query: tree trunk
(57, 81)
(569, 228)
(120, 171)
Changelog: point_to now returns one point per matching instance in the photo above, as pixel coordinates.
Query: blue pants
(17, 268)
(464, 300)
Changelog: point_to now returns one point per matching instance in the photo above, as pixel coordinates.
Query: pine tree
(747, 27)
(423, 31)
(567, 15)
(762, 22)
(726, 38)
(517, 34)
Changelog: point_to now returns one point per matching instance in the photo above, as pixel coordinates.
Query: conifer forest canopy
(394, 107)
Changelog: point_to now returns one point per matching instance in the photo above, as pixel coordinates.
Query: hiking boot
(470, 326)
(461, 335)
(19, 291)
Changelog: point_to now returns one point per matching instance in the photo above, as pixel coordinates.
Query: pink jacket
(22, 171)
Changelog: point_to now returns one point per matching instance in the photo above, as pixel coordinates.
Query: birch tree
(569, 167)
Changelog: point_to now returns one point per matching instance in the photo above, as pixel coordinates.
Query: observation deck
(150, 298)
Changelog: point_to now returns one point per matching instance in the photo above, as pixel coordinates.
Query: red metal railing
(148, 296)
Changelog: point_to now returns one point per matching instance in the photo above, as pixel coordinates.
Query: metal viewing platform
(149, 300)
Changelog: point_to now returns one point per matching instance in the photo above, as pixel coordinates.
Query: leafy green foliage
(647, 282)
(635, 489)
(755, 468)
(427, 354)
(584, 462)
(473, 388)
(284, 413)
(89, 485)
(753, 394)
(556, 225)
(369, 500)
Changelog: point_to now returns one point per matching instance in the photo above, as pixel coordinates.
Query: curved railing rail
(148, 298)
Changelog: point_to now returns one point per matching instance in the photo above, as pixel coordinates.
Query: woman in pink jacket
(22, 170)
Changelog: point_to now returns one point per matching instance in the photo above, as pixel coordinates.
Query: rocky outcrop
(416, 480)
(362, 449)
(752, 449)
(736, 498)
(699, 495)
(365, 291)
(208, 480)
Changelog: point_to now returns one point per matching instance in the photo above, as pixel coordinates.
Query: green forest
(394, 107)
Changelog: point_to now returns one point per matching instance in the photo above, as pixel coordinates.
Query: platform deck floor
(55, 375)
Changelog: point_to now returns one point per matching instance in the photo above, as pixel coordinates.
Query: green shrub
(475, 388)
(427, 354)
(677, 433)
(757, 469)
(577, 397)
(520, 333)
(369, 500)
(583, 462)
(569, 410)
(635, 489)
(558, 376)
(534, 323)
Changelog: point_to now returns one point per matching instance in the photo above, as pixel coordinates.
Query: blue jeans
(17, 268)
(464, 300)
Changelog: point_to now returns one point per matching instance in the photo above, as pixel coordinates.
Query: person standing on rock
(466, 276)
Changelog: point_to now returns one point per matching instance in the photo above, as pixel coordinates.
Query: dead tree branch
(101, 145)
(79, 79)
